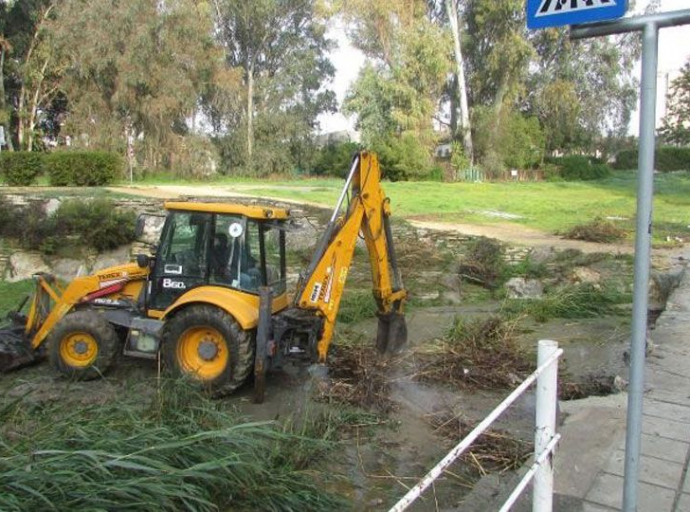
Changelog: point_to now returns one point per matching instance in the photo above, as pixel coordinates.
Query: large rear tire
(83, 345)
(207, 344)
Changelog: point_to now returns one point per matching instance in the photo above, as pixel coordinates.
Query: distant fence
(545, 437)
(475, 174)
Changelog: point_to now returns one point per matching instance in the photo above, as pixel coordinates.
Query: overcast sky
(674, 50)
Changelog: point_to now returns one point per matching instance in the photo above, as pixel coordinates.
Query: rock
(585, 275)
(619, 383)
(522, 288)
(25, 264)
(51, 206)
(68, 268)
(119, 256)
(540, 255)
(661, 285)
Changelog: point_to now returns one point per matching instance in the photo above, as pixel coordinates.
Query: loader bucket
(391, 336)
(15, 349)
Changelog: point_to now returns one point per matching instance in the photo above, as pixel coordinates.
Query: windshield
(219, 249)
(246, 254)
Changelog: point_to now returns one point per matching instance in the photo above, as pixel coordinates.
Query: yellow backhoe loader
(212, 301)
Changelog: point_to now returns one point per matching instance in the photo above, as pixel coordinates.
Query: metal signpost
(549, 13)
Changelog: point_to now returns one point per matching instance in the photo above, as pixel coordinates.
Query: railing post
(547, 399)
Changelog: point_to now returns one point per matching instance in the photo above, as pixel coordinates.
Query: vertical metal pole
(547, 399)
(645, 190)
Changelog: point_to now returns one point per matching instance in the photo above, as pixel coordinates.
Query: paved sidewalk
(589, 463)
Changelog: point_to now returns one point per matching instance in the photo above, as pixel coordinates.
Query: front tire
(207, 344)
(83, 345)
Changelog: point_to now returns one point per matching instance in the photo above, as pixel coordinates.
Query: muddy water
(592, 346)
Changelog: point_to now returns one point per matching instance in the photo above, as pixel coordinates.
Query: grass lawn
(11, 294)
(549, 206)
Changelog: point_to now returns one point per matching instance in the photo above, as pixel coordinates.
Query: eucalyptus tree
(675, 127)
(133, 72)
(281, 49)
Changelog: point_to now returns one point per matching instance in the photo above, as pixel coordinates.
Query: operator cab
(218, 244)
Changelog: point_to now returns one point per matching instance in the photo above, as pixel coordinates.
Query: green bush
(626, 160)
(671, 158)
(404, 158)
(579, 167)
(666, 158)
(510, 140)
(97, 224)
(334, 159)
(83, 168)
(20, 168)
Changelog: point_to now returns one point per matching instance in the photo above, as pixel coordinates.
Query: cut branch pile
(475, 354)
(358, 376)
(495, 451)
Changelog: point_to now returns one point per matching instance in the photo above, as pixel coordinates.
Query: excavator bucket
(391, 336)
(15, 349)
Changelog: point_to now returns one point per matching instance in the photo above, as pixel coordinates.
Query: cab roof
(254, 212)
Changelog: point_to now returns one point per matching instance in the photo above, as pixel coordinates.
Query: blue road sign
(556, 13)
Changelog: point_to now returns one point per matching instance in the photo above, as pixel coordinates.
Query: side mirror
(143, 260)
(141, 224)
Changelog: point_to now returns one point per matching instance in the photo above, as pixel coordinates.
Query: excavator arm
(321, 287)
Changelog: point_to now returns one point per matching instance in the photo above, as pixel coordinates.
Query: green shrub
(626, 160)
(552, 172)
(458, 159)
(436, 174)
(508, 141)
(671, 158)
(666, 158)
(403, 158)
(96, 223)
(335, 158)
(83, 168)
(20, 168)
(584, 168)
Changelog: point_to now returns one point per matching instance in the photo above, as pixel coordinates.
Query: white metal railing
(545, 437)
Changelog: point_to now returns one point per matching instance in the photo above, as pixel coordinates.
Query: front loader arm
(322, 287)
(112, 282)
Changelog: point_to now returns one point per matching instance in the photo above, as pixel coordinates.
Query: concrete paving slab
(666, 410)
(608, 491)
(590, 434)
(666, 428)
(662, 448)
(683, 504)
(659, 472)
(678, 395)
(593, 507)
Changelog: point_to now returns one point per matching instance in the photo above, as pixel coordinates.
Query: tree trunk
(33, 108)
(21, 114)
(250, 112)
(5, 121)
(463, 130)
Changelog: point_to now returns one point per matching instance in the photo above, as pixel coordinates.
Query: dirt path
(522, 235)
